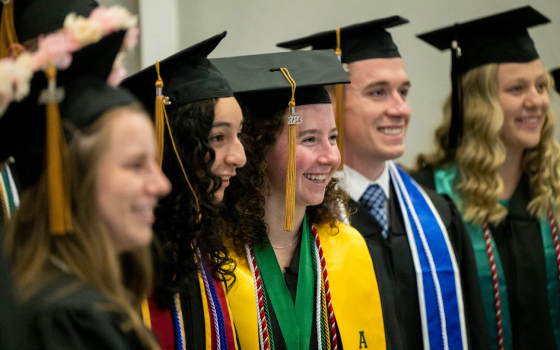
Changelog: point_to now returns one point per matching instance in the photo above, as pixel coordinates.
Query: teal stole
(444, 180)
(295, 320)
(8, 191)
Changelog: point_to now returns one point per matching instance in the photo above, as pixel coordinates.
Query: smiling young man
(421, 252)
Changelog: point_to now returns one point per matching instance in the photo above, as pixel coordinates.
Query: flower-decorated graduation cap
(353, 43)
(556, 75)
(185, 77)
(499, 38)
(36, 141)
(270, 83)
(23, 20)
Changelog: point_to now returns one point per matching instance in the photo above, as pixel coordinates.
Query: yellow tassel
(290, 180)
(290, 203)
(60, 217)
(7, 29)
(339, 111)
(160, 121)
(339, 119)
(159, 116)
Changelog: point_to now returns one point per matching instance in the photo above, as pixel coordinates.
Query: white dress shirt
(356, 184)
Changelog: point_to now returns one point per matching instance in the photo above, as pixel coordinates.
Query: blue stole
(437, 273)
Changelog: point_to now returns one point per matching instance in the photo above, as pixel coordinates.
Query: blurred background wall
(255, 26)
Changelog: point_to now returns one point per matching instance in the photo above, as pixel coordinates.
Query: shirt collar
(356, 184)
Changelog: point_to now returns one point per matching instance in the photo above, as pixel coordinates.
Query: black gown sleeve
(68, 315)
(11, 320)
(79, 329)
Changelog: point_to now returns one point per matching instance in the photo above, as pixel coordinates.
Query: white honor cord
(318, 295)
(259, 321)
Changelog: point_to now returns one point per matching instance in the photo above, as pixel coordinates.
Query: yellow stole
(354, 292)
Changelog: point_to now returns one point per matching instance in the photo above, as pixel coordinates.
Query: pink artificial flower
(119, 72)
(131, 37)
(117, 76)
(113, 18)
(55, 48)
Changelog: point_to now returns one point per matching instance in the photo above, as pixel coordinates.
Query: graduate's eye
(333, 138)
(308, 140)
(515, 89)
(217, 138)
(542, 87)
(404, 92)
(376, 93)
(134, 165)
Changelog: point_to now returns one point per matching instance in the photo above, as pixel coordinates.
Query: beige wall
(255, 26)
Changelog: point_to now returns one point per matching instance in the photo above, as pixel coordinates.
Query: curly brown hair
(177, 226)
(245, 197)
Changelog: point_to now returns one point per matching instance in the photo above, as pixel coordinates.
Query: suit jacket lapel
(363, 221)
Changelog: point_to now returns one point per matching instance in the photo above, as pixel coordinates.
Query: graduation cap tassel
(293, 119)
(339, 110)
(456, 127)
(60, 218)
(7, 28)
(160, 122)
(159, 115)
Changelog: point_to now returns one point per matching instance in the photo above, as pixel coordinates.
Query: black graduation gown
(396, 277)
(193, 318)
(12, 322)
(291, 279)
(65, 315)
(519, 242)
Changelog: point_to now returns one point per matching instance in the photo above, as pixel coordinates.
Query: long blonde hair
(481, 152)
(88, 251)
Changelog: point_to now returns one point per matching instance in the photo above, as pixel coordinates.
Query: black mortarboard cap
(259, 84)
(264, 84)
(187, 76)
(35, 17)
(358, 42)
(499, 38)
(556, 75)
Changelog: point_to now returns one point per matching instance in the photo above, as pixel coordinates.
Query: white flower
(84, 31)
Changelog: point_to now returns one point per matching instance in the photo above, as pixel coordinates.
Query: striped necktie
(374, 199)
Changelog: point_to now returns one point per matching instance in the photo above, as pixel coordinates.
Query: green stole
(297, 335)
(444, 180)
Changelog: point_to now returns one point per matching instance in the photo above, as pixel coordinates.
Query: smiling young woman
(81, 288)
(201, 153)
(294, 269)
(503, 175)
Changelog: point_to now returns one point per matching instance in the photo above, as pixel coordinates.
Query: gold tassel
(159, 116)
(290, 203)
(8, 37)
(339, 110)
(290, 181)
(160, 121)
(60, 216)
(339, 119)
